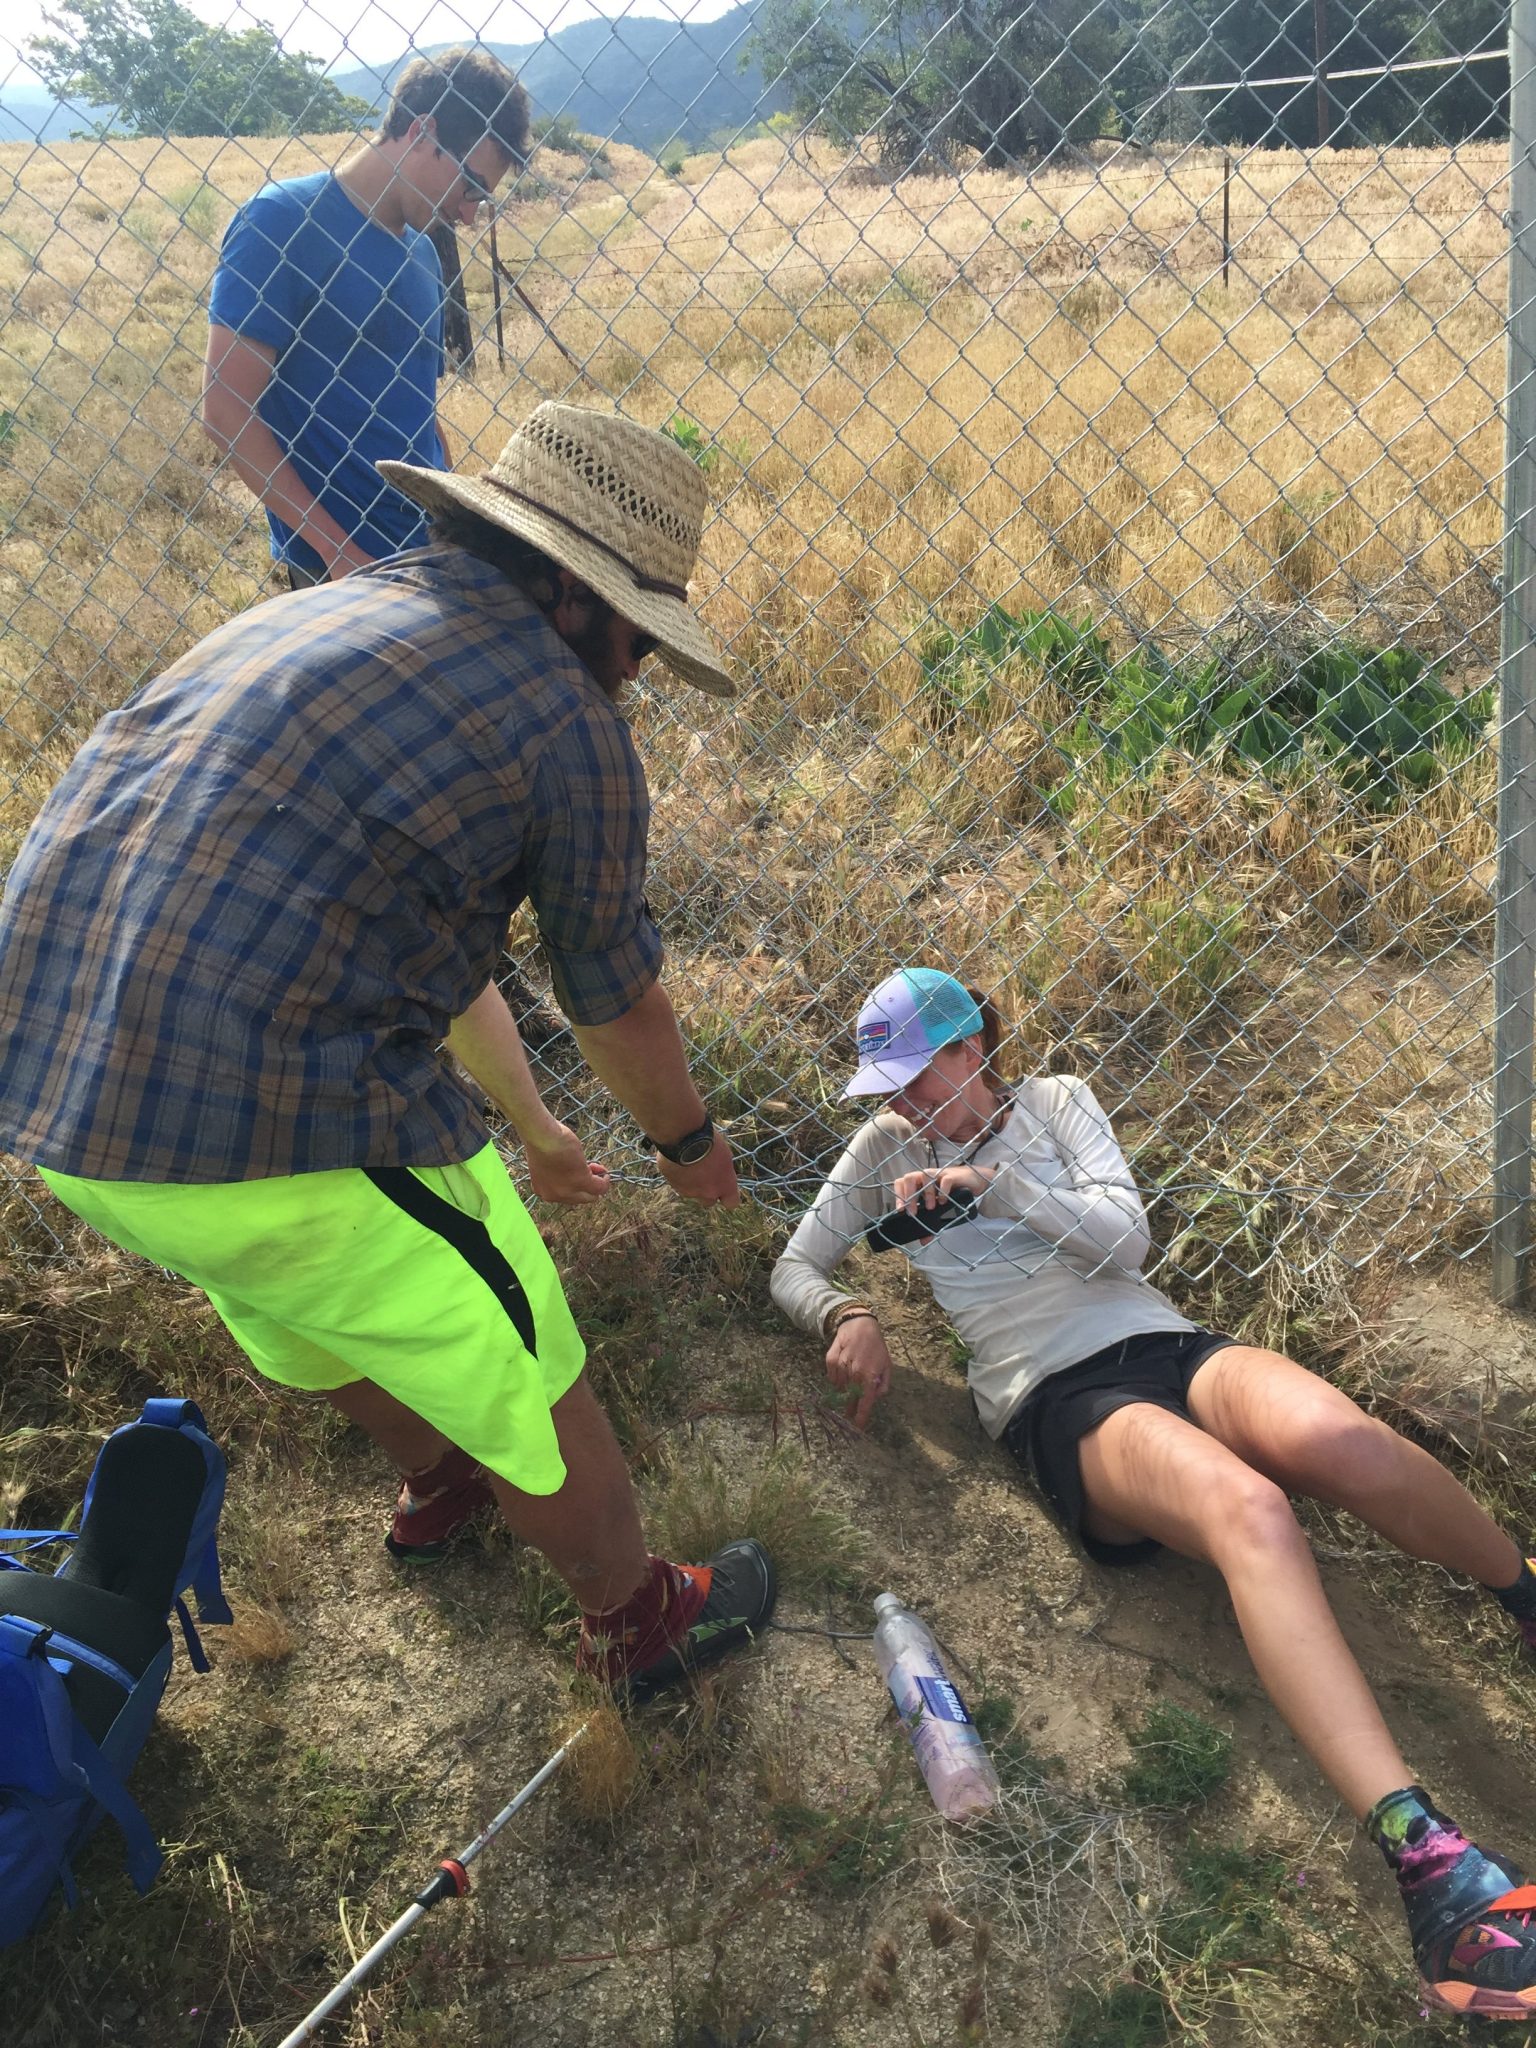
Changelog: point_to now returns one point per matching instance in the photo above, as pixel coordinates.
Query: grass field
(916, 401)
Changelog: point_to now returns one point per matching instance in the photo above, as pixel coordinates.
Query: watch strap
(689, 1143)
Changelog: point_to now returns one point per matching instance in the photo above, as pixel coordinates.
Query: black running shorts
(1044, 1431)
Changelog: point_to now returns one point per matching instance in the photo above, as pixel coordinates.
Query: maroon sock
(453, 1468)
(627, 1639)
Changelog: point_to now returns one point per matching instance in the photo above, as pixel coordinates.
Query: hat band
(644, 582)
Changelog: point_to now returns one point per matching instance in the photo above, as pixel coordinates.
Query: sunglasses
(475, 187)
(476, 190)
(642, 645)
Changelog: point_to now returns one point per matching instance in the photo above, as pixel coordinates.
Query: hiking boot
(685, 1617)
(436, 1506)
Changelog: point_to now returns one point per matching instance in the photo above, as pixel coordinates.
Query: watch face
(698, 1145)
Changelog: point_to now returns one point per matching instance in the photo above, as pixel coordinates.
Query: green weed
(687, 433)
(340, 1817)
(1380, 719)
(1018, 1764)
(700, 1504)
(1231, 1917)
(1190, 953)
(148, 222)
(1178, 1759)
(198, 205)
(839, 1854)
(1127, 2016)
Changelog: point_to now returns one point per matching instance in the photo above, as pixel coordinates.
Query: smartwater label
(941, 1702)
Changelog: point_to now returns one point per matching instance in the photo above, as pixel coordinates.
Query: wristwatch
(690, 1150)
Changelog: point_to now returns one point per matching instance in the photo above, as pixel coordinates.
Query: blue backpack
(85, 1652)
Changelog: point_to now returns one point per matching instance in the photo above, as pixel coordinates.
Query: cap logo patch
(874, 1038)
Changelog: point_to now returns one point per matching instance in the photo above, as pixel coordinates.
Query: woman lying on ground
(1142, 1429)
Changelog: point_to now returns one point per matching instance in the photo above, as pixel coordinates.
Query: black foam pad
(120, 1629)
(148, 1485)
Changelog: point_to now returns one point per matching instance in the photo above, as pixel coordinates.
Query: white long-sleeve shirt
(1047, 1271)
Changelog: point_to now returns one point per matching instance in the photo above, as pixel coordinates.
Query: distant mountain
(37, 117)
(640, 79)
(643, 80)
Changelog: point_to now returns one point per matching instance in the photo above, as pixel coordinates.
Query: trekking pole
(451, 1882)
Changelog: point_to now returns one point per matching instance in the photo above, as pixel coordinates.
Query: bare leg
(400, 1433)
(1309, 1438)
(589, 1530)
(1148, 1471)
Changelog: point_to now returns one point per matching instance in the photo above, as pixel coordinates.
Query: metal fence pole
(1515, 918)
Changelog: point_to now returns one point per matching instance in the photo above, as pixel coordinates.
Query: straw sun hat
(617, 504)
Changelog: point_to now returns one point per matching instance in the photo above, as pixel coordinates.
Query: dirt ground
(776, 1875)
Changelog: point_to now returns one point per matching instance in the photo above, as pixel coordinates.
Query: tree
(1186, 41)
(159, 69)
(929, 77)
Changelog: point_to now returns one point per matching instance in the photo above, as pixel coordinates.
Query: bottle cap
(887, 1603)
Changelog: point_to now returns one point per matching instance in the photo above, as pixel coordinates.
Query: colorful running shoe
(685, 1617)
(1469, 1917)
(436, 1506)
(1488, 1969)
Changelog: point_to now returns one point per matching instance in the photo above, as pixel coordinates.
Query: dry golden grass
(940, 392)
(923, 397)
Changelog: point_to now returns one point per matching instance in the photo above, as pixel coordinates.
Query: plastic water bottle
(950, 1754)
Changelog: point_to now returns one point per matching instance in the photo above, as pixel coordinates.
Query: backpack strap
(202, 1561)
(67, 1753)
(200, 1566)
(30, 1539)
(141, 1855)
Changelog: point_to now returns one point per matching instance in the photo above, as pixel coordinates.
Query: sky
(361, 32)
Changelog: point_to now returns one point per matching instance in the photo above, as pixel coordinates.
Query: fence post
(1514, 964)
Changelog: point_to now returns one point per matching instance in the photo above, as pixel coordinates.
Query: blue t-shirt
(355, 316)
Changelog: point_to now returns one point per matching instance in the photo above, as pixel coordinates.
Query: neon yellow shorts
(432, 1282)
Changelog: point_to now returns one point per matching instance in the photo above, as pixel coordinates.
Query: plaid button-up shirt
(241, 925)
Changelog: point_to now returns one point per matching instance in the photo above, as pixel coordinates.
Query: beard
(592, 644)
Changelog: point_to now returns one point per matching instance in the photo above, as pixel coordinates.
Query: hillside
(643, 79)
(640, 79)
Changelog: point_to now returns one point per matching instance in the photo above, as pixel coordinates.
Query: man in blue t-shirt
(325, 339)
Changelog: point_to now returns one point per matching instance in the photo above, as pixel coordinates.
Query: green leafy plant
(693, 441)
(1381, 720)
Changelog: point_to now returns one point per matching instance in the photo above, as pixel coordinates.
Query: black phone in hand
(901, 1227)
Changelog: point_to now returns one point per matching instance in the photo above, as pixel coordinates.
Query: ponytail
(994, 1034)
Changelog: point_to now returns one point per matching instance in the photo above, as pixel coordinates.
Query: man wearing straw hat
(271, 885)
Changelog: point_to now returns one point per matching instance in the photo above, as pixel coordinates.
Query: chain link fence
(1106, 456)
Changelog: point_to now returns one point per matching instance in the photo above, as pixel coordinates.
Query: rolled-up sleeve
(586, 856)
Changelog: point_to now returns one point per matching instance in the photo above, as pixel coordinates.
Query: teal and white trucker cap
(912, 1015)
